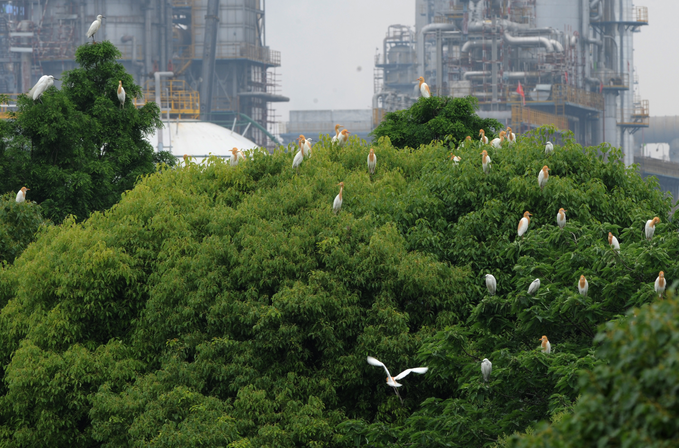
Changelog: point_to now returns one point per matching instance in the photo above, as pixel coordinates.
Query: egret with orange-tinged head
(486, 369)
(650, 227)
(543, 177)
(546, 346)
(21, 195)
(337, 204)
(485, 161)
(372, 161)
(343, 137)
(424, 88)
(491, 284)
(467, 141)
(121, 94)
(523, 223)
(497, 142)
(94, 28)
(337, 133)
(299, 157)
(534, 286)
(511, 137)
(484, 139)
(613, 242)
(393, 380)
(236, 156)
(561, 218)
(307, 145)
(454, 158)
(660, 284)
(583, 286)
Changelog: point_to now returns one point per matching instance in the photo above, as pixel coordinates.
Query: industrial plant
(202, 59)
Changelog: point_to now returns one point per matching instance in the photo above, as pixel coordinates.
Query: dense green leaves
(18, 226)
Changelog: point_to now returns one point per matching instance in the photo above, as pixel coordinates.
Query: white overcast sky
(328, 49)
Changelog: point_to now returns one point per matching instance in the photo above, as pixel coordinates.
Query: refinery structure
(573, 60)
(230, 81)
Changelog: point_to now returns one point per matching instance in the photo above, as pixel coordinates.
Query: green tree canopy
(436, 118)
(229, 306)
(76, 148)
(18, 226)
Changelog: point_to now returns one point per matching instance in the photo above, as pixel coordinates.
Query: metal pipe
(531, 41)
(508, 75)
(148, 35)
(209, 53)
(439, 63)
(420, 41)
(157, 76)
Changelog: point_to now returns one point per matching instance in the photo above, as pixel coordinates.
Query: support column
(209, 53)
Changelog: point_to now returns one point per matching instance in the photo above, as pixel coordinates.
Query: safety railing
(8, 104)
(570, 94)
(531, 117)
(175, 95)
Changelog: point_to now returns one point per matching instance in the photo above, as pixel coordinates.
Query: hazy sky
(328, 51)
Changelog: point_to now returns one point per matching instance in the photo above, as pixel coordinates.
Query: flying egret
(583, 286)
(424, 88)
(650, 227)
(485, 161)
(44, 83)
(297, 161)
(561, 218)
(491, 284)
(94, 27)
(486, 368)
(121, 94)
(543, 177)
(21, 195)
(465, 143)
(335, 139)
(511, 137)
(549, 148)
(343, 137)
(337, 204)
(393, 380)
(454, 158)
(613, 242)
(660, 284)
(236, 156)
(523, 223)
(497, 142)
(372, 161)
(484, 139)
(534, 286)
(546, 346)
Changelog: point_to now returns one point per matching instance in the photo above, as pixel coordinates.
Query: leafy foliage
(18, 226)
(436, 118)
(228, 306)
(75, 148)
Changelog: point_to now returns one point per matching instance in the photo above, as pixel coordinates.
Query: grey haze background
(324, 42)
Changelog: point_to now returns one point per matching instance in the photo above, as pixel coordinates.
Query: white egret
(21, 195)
(543, 177)
(94, 27)
(534, 286)
(549, 148)
(650, 227)
(486, 369)
(523, 223)
(424, 88)
(44, 83)
(491, 284)
(335, 139)
(121, 94)
(561, 218)
(297, 161)
(497, 142)
(484, 139)
(511, 137)
(465, 143)
(337, 204)
(393, 380)
(613, 242)
(583, 286)
(372, 161)
(343, 137)
(454, 158)
(546, 346)
(485, 161)
(660, 284)
(236, 156)
(307, 145)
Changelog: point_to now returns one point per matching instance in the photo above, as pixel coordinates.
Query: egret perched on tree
(613, 242)
(393, 380)
(454, 158)
(465, 143)
(486, 368)
(650, 227)
(44, 83)
(497, 142)
(21, 195)
(511, 137)
(583, 286)
(307, 145)
(484, 139)
(534, 286)
(549, 148)
(485, 161)
(424, 88)
(297, 161)
(660, 284)
(491, 284)
(372, 161)
(236, 156)
(335, 139)
(94, 27)
(543, 177)
(546, 346)
(337, 204)
(343, 137)
(561, 218)
(121, 94)
(523, 223)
